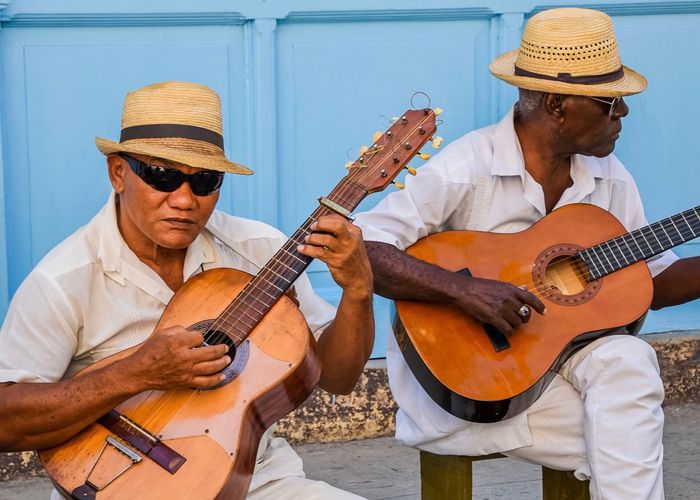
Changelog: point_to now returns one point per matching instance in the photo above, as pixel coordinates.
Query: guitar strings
(579, 263)
(360, 174)
(345, 189)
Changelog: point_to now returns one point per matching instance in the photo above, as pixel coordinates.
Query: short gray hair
(530, 100)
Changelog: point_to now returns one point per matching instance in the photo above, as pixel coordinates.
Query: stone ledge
(369, 410)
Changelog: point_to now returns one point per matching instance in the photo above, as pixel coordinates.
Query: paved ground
(382, 469)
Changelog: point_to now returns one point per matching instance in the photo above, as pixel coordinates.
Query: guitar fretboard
(272, 281)
(641, 244)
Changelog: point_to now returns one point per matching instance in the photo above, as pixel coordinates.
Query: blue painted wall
(304, 84)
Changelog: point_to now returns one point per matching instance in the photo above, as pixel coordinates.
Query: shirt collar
(508, 157)
(111, 242)
(112, 247)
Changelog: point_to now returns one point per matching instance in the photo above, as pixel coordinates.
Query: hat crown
(180, 103)
(579, 42)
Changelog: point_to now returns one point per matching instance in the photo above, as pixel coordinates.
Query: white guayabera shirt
(479, 182)
(91, 297)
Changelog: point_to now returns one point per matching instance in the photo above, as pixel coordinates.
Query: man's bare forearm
(398, 275)
(678, 284)
(347, 343)
(41, 415)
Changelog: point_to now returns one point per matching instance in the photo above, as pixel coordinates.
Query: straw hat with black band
(177, 121)
(569, 51)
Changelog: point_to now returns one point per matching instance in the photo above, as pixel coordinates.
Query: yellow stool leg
(445, 477)
(563, 485)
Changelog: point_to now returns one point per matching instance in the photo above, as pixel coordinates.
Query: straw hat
(177, 121)
(569, 51)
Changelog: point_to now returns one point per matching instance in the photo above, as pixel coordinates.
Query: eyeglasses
(613, 104)
(168, 180)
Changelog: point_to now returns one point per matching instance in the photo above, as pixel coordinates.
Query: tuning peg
(399, 185)
(411, 170)
(376, 136)
(437, 140)
(349, 164)
(424, 156)
(363, 150)
(394, 119)
(438, 111)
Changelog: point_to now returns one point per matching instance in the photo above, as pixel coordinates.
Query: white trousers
(279, 475)
(613, 434)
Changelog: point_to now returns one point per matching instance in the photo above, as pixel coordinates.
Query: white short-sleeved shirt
(479, 182)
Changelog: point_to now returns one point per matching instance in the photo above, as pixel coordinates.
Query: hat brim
(187, 157)
(503, 67)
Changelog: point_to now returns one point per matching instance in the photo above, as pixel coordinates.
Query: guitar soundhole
(239, 355)
(562, 277)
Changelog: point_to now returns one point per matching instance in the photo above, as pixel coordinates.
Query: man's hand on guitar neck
(398, 275)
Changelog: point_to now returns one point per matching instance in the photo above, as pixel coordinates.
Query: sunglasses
(168, 180)
(612, 103)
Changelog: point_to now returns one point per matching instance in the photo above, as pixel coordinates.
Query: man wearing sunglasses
(104, 288)
(601, 415)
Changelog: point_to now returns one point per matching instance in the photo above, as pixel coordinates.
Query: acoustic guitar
(202, 444)
(579, 260)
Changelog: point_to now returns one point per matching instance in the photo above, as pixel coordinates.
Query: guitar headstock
(379, 164)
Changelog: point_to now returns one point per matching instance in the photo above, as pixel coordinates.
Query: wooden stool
(449, 477)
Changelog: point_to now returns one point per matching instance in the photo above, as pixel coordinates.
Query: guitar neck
(371, 172)
(281, 271)
(641, 244)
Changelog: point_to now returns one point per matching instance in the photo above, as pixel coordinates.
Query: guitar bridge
(88, 490)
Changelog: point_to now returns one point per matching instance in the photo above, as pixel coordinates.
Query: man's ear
(116, 167)
(554, 105)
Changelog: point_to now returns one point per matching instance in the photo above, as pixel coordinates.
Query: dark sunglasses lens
(205, 183)
(163, 179)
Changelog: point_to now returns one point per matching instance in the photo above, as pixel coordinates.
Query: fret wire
(634, 238)
(625, 250)
(595, 254)
(655, 237)
(696, 219)
(267, 281)
(243, 312)
(624, 238)
(694, 213)
(591, 262)
(688, 224)
(600, 248)
(249, 305)
(622, 253)
(678, 231)
(592, 251)
(278, 261)
(264, 290)
(670, 241)
(641, 233)
(612, 253)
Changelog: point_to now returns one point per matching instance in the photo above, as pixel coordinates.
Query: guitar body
(216, 431)
(452, 356)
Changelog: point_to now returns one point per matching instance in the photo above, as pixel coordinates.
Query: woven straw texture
(578, 42)
(180, 103)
